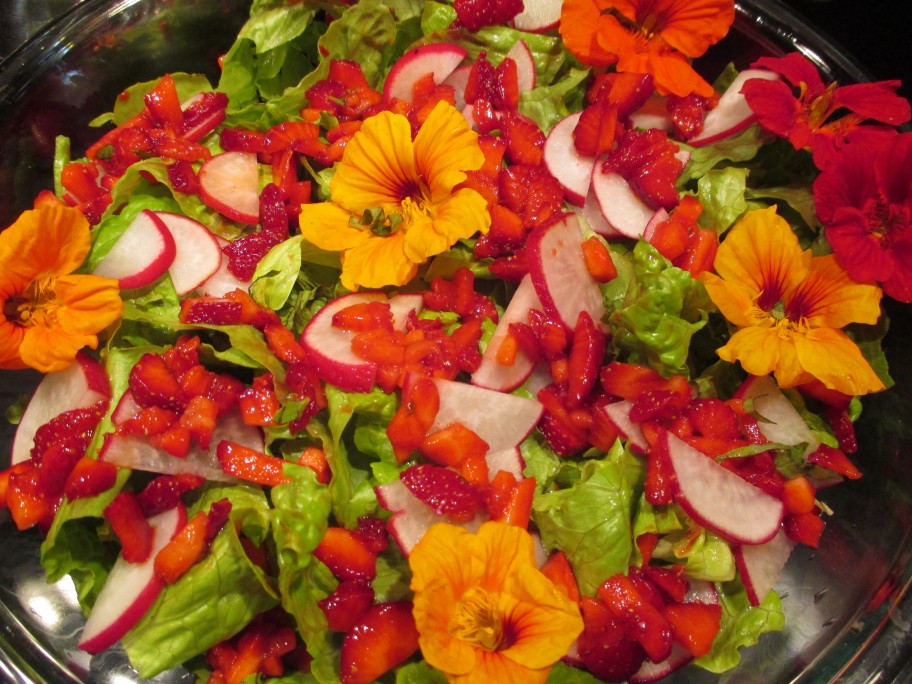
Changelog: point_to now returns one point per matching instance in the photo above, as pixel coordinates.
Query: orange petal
(828, 298)
(377, 262)
(763, 350)
(52, 239)
(50, 349)
(89, 303)
(581, 23)
(11, 337)
(834, 359)
(734, 300)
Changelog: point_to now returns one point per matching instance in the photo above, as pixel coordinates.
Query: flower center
(884, 218)
(37, 305)
(478, 620)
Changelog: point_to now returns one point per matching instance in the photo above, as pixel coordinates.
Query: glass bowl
(848, 616)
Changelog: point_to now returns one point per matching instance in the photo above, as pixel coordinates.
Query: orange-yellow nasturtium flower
(48, 313)
(657, 37)
(393, 199)
(484, 611)
(790, 307)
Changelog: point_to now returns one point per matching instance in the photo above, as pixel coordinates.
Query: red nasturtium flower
(657, 37)
(864, 200)
(819, 116)
(47, 313)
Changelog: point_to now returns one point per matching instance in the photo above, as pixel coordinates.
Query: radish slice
(779, 420)
(621, 206)
(330, 347)
(141, 256)
(571, 169)
(760, 565)
(229, 183)
(732, 114)
(402, 304)
(439, 59)
(130, 590)
(80, 385)
(717, 498)
(197, 253)
(222, 281)
(559, 273)
(538, 16)
(493, 374)
(619, 414)
(526, 73)
(501, 420)
(458, 80)
(509, 460)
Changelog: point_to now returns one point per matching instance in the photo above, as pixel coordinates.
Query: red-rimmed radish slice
(653, 114)
(411, 516)
(141, 256)
(329, 347)
(439, 59)
(621, 206)
(526, 73)
(501, 420)
(538, 16)
(136, 452)
(571, 169)
(458, 80)
(222, 281)
(229, 183)
(197, 253)
(732, 114)
(710, 494)
(508, 460)
(130, 589)
(619, 414)
(559, 274)
(402, 304)
(491, 373)
(592, 214)
(761, 564)
(80, 385)
(778, 420)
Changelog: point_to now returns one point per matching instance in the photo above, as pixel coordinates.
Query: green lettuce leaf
(591, 520)
(213, 601)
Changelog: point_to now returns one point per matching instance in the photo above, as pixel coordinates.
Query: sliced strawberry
(373, 533)
(153, 384)
(384, 638)
(531, 192)
(210, 311)
(445, 491)
(804, 528)
(409, 425)
(671, 581)
(347, 605)
(165, 492)
(346, 555)
(125, 516)
(525, 140)
(694, 625)
(835, 460)
(89, 477)
(606, 648)
(646, 159)
(473, 14)
(647, 624)
(557, 569)
(191, 543)
(586, 355)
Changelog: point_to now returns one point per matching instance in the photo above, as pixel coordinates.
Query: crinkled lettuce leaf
(591, 521)
(213, 601)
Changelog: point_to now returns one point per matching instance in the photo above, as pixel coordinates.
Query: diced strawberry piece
(175, 440)
(587, 352)
(346, 555)
(657, 404)
(525, 140)
(515, 502)
(183, 355)
(148, 421)
(315, 458)
(153, 384)
(557, 569)
(126, 519)
(445, 491)
(473, 14)
(182, 177)
(409, 425)
(598, 260)
(647, 624)
(210, 311)
(645, 588)
(89, 477)
(347, 605)
(373, 533)
(242, 140)
(606, 647)
(191, 543)
(597, 128)
(688, 113)
(251, 465)
(557, 425)
(798, 495)
(363, 317)
(531, 192)
(26, 504)
(258, 403)
(383, 639)
(804, 528)
(671, 581)
(451, 445)
(647, 160)
(694, 624)
(165, 492)
(199, 418)
(714, 418)
(164, 105)
(56, 463)
(224, 391)
(835, 460)
(73, 428)
(658, 487)
(843, 428)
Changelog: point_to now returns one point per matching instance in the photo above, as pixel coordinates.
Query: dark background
(876, 32)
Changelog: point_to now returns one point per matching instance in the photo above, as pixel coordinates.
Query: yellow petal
(433, 609)
(828, 298)
(732, 299)
(378, 166)
(501, 549)
(495, 667)
(445, 148)
(544, 621)
(53, 239)
(327, 226)
(762, 253)
(377, 262)
(89, 303)
(834, 359)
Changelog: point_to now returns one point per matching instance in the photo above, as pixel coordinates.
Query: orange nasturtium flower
(790, 307)
(47, 313)
(484, 611)
(657, 37)
(393, 200)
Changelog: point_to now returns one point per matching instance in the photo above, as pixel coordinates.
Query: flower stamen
(478, 620)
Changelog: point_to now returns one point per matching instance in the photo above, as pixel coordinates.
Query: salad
(477, 341)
